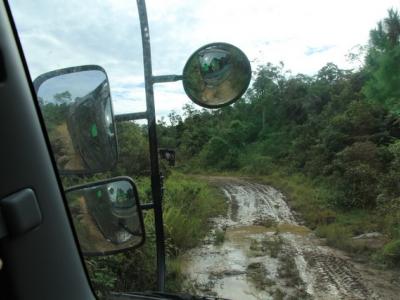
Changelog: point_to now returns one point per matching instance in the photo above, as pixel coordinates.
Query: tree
(383, 63)
(392, 27)
(64, 97)
(133, 150)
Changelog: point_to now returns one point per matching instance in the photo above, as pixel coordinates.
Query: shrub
(219, 154)
(257, 164)
(336, 235)
(188, 205)
(391, 252)
(358, 169)
(219, 237)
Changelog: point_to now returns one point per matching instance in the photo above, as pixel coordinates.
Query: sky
(305, 35)
(79, 84)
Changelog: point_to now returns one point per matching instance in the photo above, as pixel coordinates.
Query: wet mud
(260, 251)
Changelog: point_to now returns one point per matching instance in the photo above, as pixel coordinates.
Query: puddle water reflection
(266, 254)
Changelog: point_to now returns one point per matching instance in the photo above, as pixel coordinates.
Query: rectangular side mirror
(77, 110)
(107, 216)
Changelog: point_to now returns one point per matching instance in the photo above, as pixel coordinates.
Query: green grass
(314, 201)
(316, 204)
(391, 252)
(336, 236)
(304, 197)
(188, 205)
(219, 237)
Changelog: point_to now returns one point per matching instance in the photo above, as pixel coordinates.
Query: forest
(334, 135)
(329, 141)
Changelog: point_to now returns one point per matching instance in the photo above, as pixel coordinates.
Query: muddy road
(260, 251)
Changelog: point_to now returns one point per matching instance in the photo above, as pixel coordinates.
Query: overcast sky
(305, 35)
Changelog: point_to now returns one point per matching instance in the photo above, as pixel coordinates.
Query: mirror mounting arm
(153, 146)
(147, 206)
(131, 116)
(166, 78)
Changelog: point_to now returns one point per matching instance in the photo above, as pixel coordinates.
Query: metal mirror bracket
(149, 114)
(154, 164)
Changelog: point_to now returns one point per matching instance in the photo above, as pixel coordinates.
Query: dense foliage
(188, 204)
(339, 128)
(331, 141)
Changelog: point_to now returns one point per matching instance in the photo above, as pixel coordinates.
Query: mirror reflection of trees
(55, 115)
(78, 115)
(106, 217)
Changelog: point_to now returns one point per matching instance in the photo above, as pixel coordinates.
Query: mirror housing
(216, 75)
(107, 216)
(77, 110)
(168, 154)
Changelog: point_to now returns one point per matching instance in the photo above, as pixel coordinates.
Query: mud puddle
(259, 251)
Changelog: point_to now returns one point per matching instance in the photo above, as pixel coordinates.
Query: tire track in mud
(335, 271)
(334, 276)
(266, 254)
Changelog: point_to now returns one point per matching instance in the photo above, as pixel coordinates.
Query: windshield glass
(290, 192)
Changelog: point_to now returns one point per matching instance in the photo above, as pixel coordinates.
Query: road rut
(264, 253)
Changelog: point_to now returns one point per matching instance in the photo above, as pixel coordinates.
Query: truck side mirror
(77, 110)
(216, 75)
(107, 216)
(168, 155)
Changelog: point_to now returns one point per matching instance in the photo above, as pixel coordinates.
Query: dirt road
(259, 251)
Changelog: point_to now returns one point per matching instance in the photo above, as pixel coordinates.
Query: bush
(255, 164)
(219, 154)
(360, 185)
(336, 235)
(391, 252)
(188, 205)
(219, 237)
(357, 169)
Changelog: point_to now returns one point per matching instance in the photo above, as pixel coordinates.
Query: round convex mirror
(216, 75)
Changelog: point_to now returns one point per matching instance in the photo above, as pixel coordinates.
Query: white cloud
(56, 35)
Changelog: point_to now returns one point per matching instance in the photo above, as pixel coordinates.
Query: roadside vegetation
(188, 205)
(330, 142)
